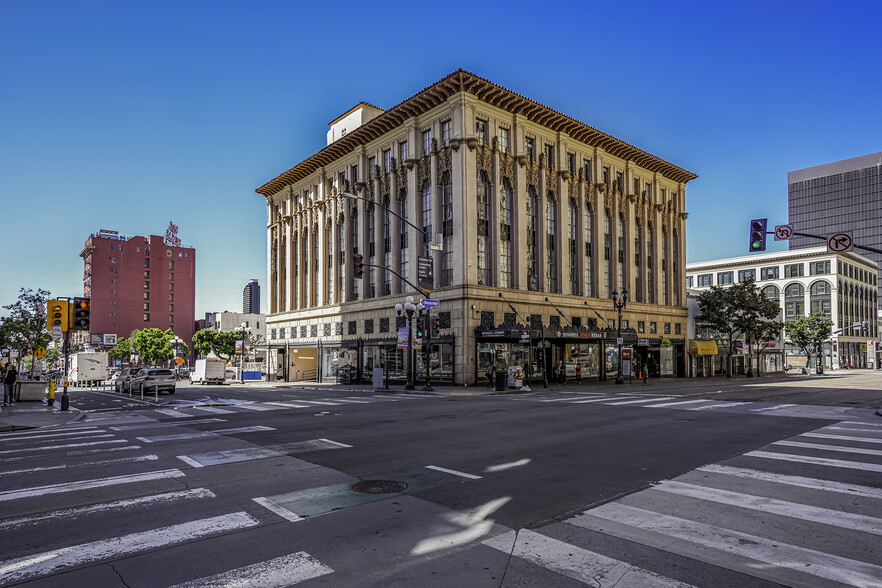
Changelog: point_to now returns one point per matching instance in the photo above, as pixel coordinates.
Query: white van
(208, 371)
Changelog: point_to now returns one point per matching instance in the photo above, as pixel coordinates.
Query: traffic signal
(58, 315)
(419, 327)
(436, 326)
(758, 235)
(359, 266)
(82, 310)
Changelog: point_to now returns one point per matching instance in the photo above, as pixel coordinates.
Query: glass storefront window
(611, 357)
(666, 361)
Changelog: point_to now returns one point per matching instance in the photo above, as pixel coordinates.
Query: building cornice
(462, 81)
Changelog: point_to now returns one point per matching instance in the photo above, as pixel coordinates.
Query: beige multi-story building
(528, 221)
(802, 281)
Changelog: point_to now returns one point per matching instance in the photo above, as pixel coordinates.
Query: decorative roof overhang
(485, 91)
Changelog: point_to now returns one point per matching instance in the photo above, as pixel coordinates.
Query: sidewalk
(29, 415)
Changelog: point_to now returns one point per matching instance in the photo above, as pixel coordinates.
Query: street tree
(122, 350)
(808, 334)
(154, 346)
(25, 325)
(220, 343)
(757, 318)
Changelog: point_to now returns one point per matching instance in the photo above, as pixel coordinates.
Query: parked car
(153, 381)
(124, 379)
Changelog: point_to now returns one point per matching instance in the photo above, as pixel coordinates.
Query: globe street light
(408, 307)
(619, 304)
(177, 343)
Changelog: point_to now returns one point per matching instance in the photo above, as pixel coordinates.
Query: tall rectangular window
(481, 131)
(606, 175)
(402, 152)
(483, 229)
(405, 262)
(353, 173)
(532, 229)
(372, 252)
(664, 270)
(331, 278)
(549, 156)
(445, 133)
(620, 181)
(571, 163)
(607, 255)
(589, 257)
(372, 167)
(505, 240)
(794, 270)
(353, 239)
(387, 250)
(427, 215)
(530, 148)
(572, 233)
(638, 274)
(427, 142)
(620, 266)
(650, 281)
(504, 139)
(387, 160)
(447, 230)
(550, 249)
(587, 174)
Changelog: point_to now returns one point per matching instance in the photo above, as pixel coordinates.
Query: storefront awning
(702, 347)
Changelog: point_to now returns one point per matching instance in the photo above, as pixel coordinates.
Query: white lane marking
(840, 448)
(842, 437)
(454, 472)
(199, 434)
(826, 516)
(836, 463)
(803, 482)
(259, 407)
(166, 424)
(678, 403)
(191, 462)
(85, 464)
(849, 429)
(601, 399)
(723, 405)
(71, 513)
(774, 553)
(568, 398)
(273, 573)
(638, 401)
(57, 447)
(335, 443)
(71, 430)
(89, 484)
(31, 435)
(347, 400)
(279, 510)
(212, 409)
(768, 408)
(358, 399)
(40, 564)
(586, 566)
(863, 424)
(171, 412)
(288, 404)
(322, 402)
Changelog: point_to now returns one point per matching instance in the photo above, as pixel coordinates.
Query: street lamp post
(619, 305)
(177, 342)
(408, 307)
(243, 327)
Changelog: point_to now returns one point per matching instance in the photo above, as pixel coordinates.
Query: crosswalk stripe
(212, 409)
(31, 566)
(724, 542)
(319, 402)
(166, 424)
(274, 573)
(454, 472)
(70, 513)
(836, 463)
(258, 407)
(776, 407)
(566, 399)
(638, 401)
(278, 509)
(197, 434)
(90, 435)
(677, 403)
(583, 565)
(842, 437)
(349, 401)
(57, 447)
(288, 405)
(37, 435)
(813, 483)
(601, 399)
(863, 424)
(89, 484)
(85, 464)
(28, 433)
(840, 448)
(713, 406)
(171, 412)
(849, 429)
(826, 516)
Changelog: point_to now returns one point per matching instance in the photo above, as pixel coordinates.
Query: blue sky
(127, 114)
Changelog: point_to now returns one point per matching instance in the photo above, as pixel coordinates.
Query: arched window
(794, 302)
(820, 297)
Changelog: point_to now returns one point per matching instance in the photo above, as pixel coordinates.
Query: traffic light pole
(864, 247)
(65, 400)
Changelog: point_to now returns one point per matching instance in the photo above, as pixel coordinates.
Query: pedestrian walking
(490, 371)
(561, 373)
(644, 371)
(578, 373)
(10, 379)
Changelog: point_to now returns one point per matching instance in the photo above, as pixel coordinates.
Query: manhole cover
(379, 486)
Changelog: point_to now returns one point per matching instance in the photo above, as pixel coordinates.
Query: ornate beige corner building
(539, 219)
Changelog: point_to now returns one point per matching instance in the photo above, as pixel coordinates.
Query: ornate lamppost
(243, 327)
(177, 343)
(619, 304)
(409, 309)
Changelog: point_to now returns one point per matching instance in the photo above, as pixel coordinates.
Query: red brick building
(138, 283)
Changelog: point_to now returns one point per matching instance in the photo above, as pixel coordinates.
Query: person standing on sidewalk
(490, 371)
(644, 371)
(561, 373)
(10, 379)
(578, 373)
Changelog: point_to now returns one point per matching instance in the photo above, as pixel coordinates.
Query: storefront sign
(665, 342)
(626, 353)
(496, 333)
(642, 342)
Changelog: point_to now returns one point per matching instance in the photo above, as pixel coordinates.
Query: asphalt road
(660, 487)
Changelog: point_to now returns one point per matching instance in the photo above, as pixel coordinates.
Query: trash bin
(501, 381)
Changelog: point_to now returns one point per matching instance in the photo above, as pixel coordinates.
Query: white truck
(88, 366)
(210, 371)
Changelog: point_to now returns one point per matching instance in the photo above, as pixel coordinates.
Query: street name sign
(428, 303)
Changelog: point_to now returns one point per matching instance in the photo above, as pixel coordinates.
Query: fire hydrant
(51, 399)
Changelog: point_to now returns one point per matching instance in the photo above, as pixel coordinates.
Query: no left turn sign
(783, 232)
(839, 243)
